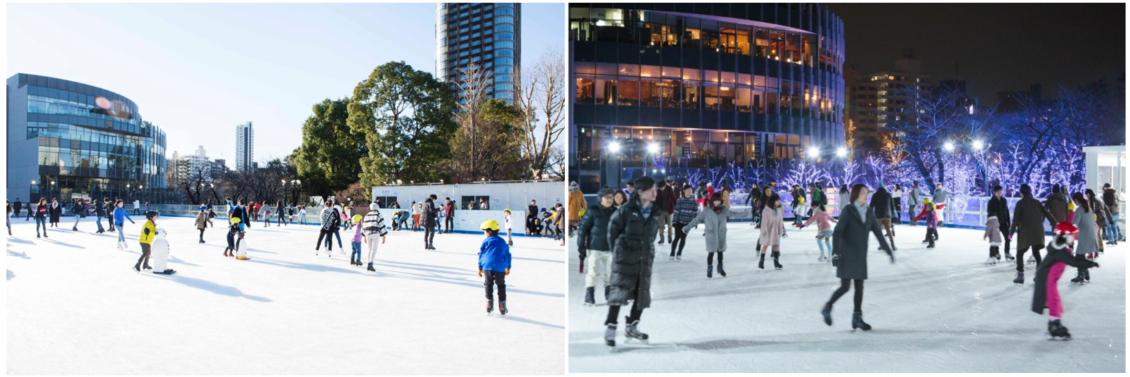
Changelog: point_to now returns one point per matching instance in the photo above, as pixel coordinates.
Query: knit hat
(373, 206)
(573, 186)
(880, 184)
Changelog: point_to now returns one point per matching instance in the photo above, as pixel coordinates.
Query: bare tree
(541, 98)
(473, 84)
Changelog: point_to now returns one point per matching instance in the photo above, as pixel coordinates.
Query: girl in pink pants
(1048, 274)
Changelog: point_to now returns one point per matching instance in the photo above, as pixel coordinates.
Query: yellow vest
(148, 232)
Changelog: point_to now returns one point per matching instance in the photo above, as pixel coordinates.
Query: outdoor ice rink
(939, 310)
(75, 305)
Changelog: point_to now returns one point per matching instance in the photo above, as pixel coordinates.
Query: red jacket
(669, 203)
(449, 209)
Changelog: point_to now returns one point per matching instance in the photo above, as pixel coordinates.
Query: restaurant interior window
(585, 90)
(761, 39)
(628, 92)
(710, 96)
(669, 93)
(650, 92)
(657, 24)
(776, 44)
(729, 39)
(605, 91)
(770, 103)
(743, 40)
(674, 30)
(758, 101)
(786, 99)
(649, 71)
(629, 70)
(726, 95)
(692, 34)
(743, 100)
(690, 95)
(710, 76)
(710, 35)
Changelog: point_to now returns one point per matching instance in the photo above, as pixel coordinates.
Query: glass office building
(485, 34)
(72, 140)
(664, 89)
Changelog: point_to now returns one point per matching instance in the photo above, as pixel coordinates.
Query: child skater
(931, 216)
(994, 236)
(714, 217)
(1048, 274)
(233, 233)
(823, 230)
(772, 227)
(494, 259)
(355, 258)
(148, 232)
(509, 227)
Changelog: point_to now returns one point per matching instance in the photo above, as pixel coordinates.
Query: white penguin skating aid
(160, 254)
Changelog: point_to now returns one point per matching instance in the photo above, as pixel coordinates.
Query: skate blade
(634, 340)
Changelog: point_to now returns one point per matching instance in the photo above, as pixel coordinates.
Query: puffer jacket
(993, 231)
(330, 219)
(1028, 218)
(593, 232)
(632, 237)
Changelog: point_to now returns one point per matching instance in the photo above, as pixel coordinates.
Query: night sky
(998, 46)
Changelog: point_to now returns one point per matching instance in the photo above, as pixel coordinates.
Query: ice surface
(75, 305)
(939, 310)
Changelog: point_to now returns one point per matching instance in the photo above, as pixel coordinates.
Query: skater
(55, 211)
(930, 214)
(896, 198)
(772, 225)
(17, 206)
(998, 205)
(1048, 273)
(993, 235)
(355, 258)
(713, 217)
(373, 225)
(266, 215)
(823, 230)
(912, 202)
(1102, 217)
(449, 217)
(99, 213)
(685, 210)
(576, 206)
(665, 202)
(41, 210)
(592, 244)
(751, 200)
(494, 259)
(430, 222)
(619, 198)
(234, 232)
(940, 197)
(110, 207)
(8, 217)
(31, 212)
(120, 216)
(339, 214)
(845, 198)
(1057, 205)
(148, 231)
(330, 221)
(1028, 225)
(203, 221)
(884, 206)
(302, 214)
(1087, 238)
(849, 253)
(509, 223)
(79, 211)
(1110, 200)
(136, 207)
(631, 233)
(799, 207)
(417, 209)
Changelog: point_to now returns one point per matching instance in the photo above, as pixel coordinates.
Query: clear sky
(198, 70)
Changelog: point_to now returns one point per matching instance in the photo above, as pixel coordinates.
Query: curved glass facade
(485, 34)
(77, 140)
(689, 86)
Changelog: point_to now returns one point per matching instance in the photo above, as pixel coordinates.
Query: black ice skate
(589, 299)
(1019, 278)
(1087, 276)
(761, 263)
(720, 270)
(632, 332)
(610, 335)
(857, 322)
(502, 307)
(371, 267)
(1078, 278)
(1056, 330)
(776, 264)
(827, 313)
(709, 272)
(490, 306)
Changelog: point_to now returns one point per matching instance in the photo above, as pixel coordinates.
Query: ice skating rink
(75, 306)
(939, 310)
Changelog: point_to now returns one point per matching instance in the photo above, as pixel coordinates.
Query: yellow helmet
(489, 224)
(357, 218)
(926, 200)
(234, 220)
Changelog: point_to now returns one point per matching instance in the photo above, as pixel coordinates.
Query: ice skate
(671, 258)
(720, 270)
(589, 299)
(502, 308)
(610, 335)
(679, 258)
(1031, 260)
(992, 261)
(776, 263)
(709, 271)
(660, 239)
(827, 313)
(857, 322)
(1019, 278)
(1087, 276)
(1009, 256)
(371, 268)
(632, 332)
(761, 262)
(822, 258)
(490, 306)
(1056, 330)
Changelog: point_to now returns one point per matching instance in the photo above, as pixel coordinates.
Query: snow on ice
(939, 310)
(75, 305)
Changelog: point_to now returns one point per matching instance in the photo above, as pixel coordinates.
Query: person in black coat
(884, 207)
(430, 222)
(592, 235)
(99, 213)
(17, 206)
(849, 252)
(1058, 258)
(55, 211)
(999, 205)
(1028, 225)
(631, 233)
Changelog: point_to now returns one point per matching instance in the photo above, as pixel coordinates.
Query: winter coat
(55, 210)
(883, 204)
(845, 199)
(632, 237)
(666, 199)
(1110, 199)
(593, 232)
(1088, 239)
(685, 210)
(1028, 218)
(823, 220)
(726, 198)
(148, 232)
(41, 212)
(1102, 215)
(374, 225)
(940, 195)
(18, 205)
(849, 242)
(202, 220)
(99, 208)
(929, 213)
(120, 216)
(715, 226)
(1056, 254)
(77, 210)
(576, 204)
(1056, 204)
(330, 219)
(240, 212)
(430, 212)
(999, 207)
(449, 209)
(494, 255)
(993, 231)
(772, 225)
(915, 197)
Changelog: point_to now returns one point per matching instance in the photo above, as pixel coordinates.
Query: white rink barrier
(469, 220)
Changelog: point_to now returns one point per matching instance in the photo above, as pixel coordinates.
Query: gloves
(582, 267)
(480, 273)
(507, 272)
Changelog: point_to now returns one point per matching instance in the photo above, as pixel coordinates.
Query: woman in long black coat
(55, 212)
(631, 232)
(849, 252)
(1028, 224)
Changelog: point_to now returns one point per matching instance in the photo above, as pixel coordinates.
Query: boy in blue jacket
(494, 259)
